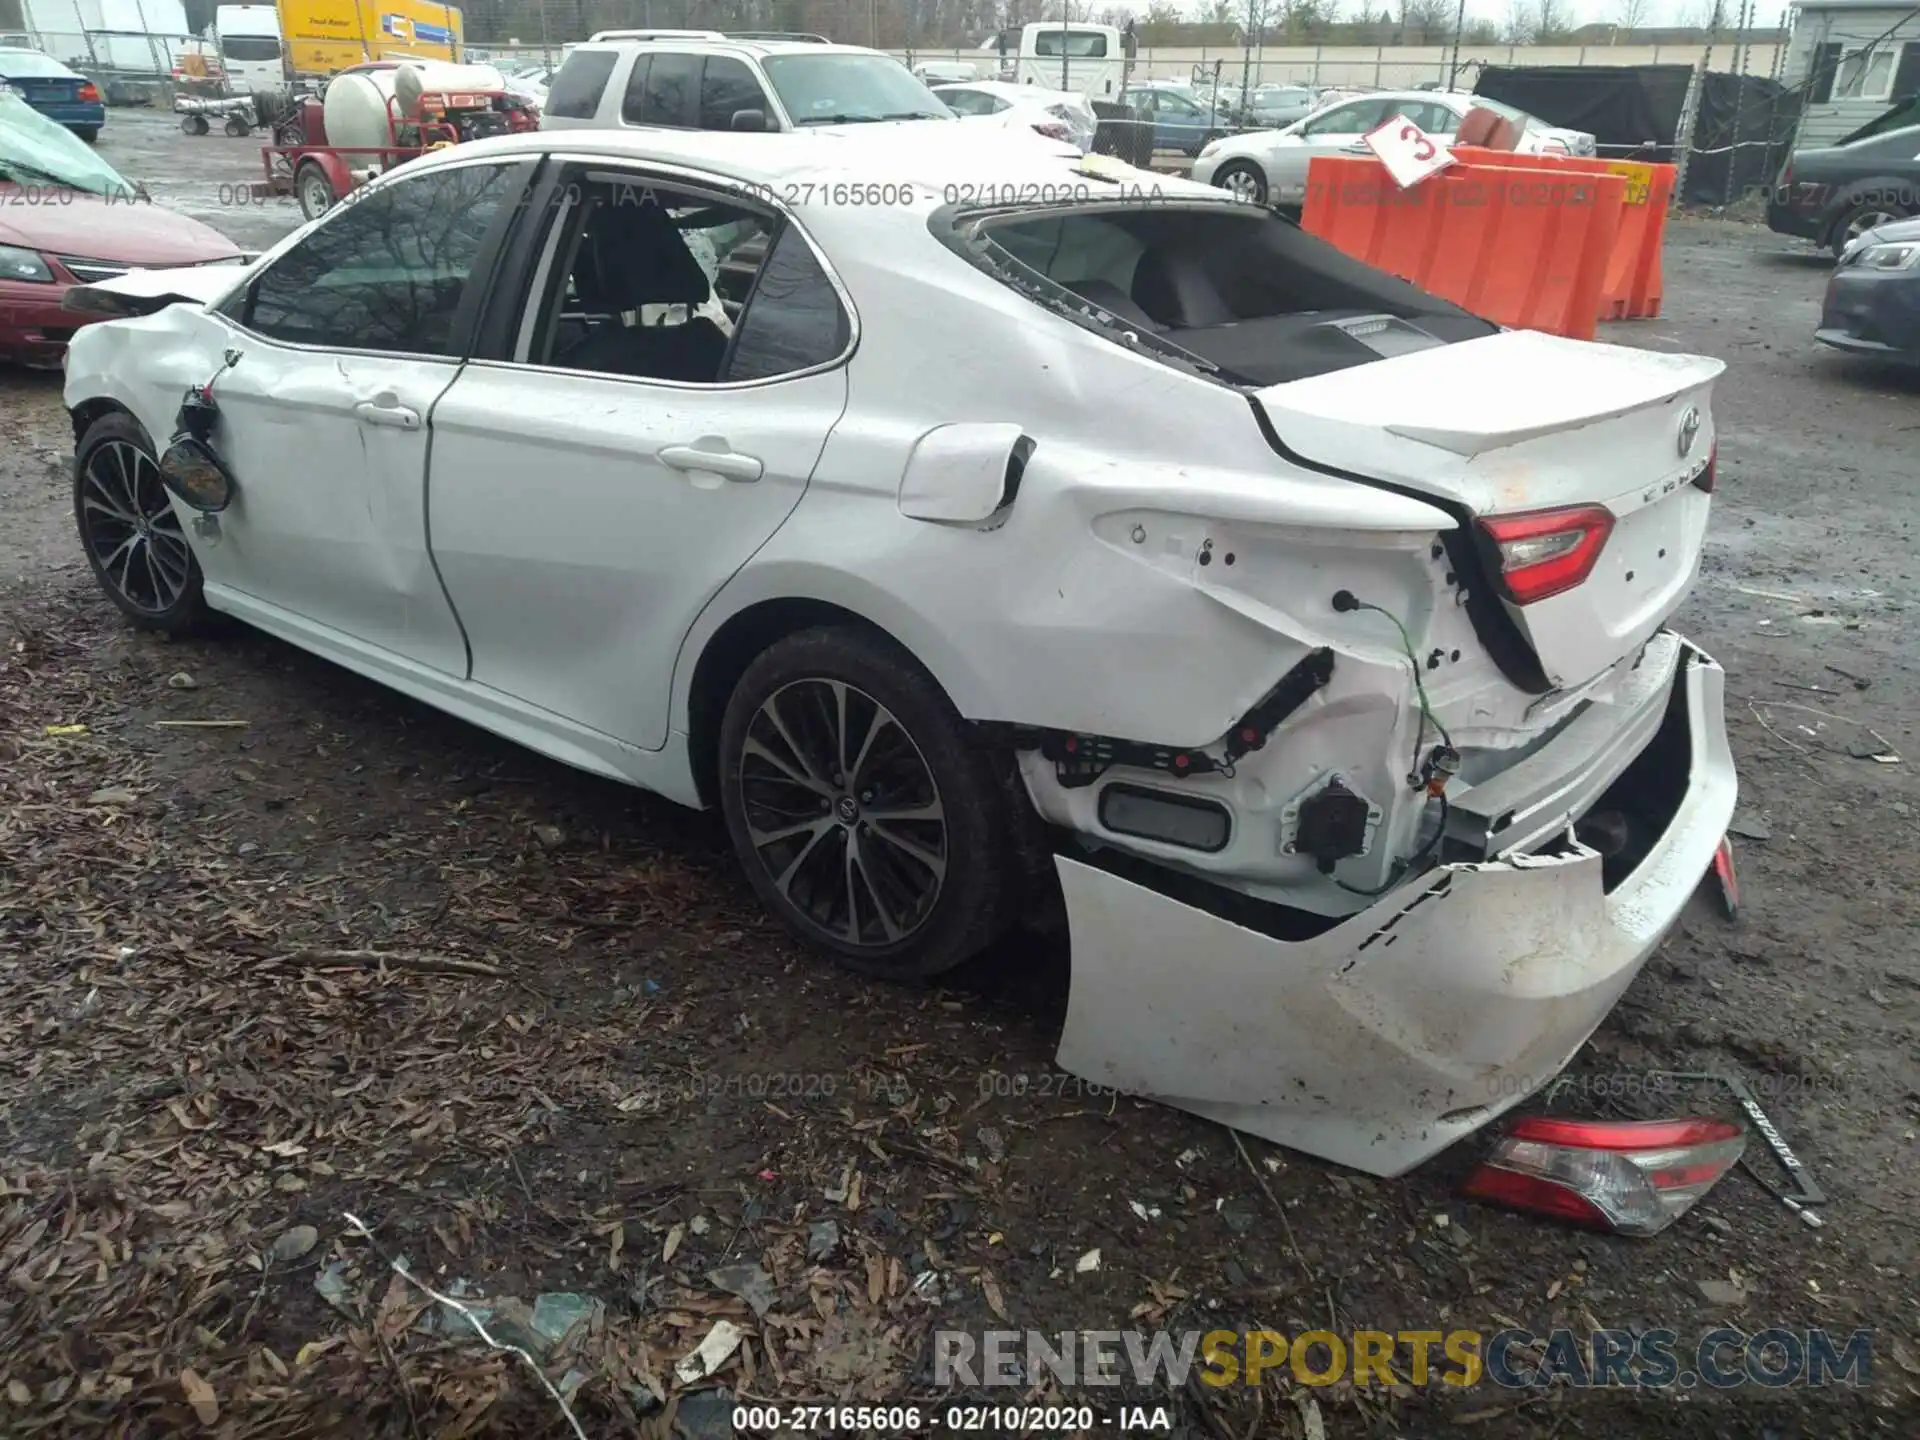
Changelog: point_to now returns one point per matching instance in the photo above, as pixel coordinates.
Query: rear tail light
(1546, 552)
(1054, 130)
(1704, 480)
(1632, 1177)
(89, 92)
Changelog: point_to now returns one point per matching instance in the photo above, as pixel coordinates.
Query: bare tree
(1426, 21)
(1632, 13)
(1552, 21)
(1517, 29)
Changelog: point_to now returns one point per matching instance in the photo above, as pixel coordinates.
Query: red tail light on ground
(89, 93)
(1631, 1177)
(1547, 552)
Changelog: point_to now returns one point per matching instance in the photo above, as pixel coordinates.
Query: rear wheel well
(733, 647)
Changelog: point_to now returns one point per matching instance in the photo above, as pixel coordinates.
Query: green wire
(1427, 717)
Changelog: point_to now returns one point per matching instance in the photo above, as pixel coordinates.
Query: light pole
(1459, 23)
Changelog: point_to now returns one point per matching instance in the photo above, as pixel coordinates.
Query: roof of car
(732, 44)
(998, 87)
(934, 159)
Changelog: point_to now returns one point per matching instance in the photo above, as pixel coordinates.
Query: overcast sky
(1656, 12)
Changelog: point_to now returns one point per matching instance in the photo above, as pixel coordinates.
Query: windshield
(841, 88)
(35, 151)
(25, 63)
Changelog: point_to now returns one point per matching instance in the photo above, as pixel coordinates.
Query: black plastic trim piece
(1178, 802)
(1504, 642)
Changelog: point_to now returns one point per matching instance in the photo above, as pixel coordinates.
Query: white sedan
(1056, 114)
(985, 532)
(1269, 167)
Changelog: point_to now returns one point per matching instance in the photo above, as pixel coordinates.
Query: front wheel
(238, 127)
(131, 533)
(867, 815)
(1243, 180)
(313, 190)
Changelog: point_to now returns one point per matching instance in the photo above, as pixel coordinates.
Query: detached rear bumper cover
(1408, 1025)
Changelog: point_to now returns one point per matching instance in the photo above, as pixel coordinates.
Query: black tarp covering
(1746, 122)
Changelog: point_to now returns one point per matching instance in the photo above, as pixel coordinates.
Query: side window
(672, 93)
(965, 102)
(388, 271)
(794, 320)
(635, 96)
(644, 281)
(576, 89)
(1432, 118)
(727, 87)
(1354, 119)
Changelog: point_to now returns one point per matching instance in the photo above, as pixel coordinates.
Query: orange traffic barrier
(1634, 285)
(1522, 247)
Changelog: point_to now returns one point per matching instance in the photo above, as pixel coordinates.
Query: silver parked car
(1270, 166)
(682, 83)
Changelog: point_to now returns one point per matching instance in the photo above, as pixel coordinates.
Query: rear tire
(130, 530)
(866, 814)
(195, 124)
(88, 133)
(237, 126)
(313, 190)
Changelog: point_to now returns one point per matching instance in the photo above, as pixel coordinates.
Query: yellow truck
(324, 37)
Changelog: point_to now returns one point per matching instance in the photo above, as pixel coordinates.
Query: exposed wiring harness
(1431, 771)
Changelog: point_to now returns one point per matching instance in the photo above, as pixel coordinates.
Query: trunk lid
(1521, 422)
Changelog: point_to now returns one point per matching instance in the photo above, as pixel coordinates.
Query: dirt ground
(590, 1066)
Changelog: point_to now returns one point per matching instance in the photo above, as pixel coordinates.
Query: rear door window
(636, 93)
(672, 94)
(727, 87)
(576, 90)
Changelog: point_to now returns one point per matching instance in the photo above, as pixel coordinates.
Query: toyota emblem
(1689, 430)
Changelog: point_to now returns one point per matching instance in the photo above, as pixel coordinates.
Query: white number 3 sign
(1408, 152)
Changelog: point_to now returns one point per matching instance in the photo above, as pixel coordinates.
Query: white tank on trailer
(355, 111)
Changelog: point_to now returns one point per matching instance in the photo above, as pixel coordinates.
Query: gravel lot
(630, 1080)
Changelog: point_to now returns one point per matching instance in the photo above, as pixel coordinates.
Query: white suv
(717, 83)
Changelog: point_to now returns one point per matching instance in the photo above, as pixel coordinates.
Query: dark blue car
(58, 93)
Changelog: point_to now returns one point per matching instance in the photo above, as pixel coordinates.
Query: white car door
(600, 477)
(1333, 131)
(346, 343)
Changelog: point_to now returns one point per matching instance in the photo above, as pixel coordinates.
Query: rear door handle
(711, 454)
(401, 417)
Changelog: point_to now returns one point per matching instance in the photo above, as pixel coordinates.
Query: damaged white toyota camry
(982, 529)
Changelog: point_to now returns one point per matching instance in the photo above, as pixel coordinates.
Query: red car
(67, 217)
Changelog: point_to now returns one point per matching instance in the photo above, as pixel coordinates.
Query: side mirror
(749, 120)
(192, 471)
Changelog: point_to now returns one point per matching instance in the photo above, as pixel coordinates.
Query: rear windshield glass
(1076, 44)
(1231, 290)
(250, 47)
(576, 89)
(25, 63)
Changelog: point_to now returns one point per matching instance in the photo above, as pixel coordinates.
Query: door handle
(401, 417)
(710, 454)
